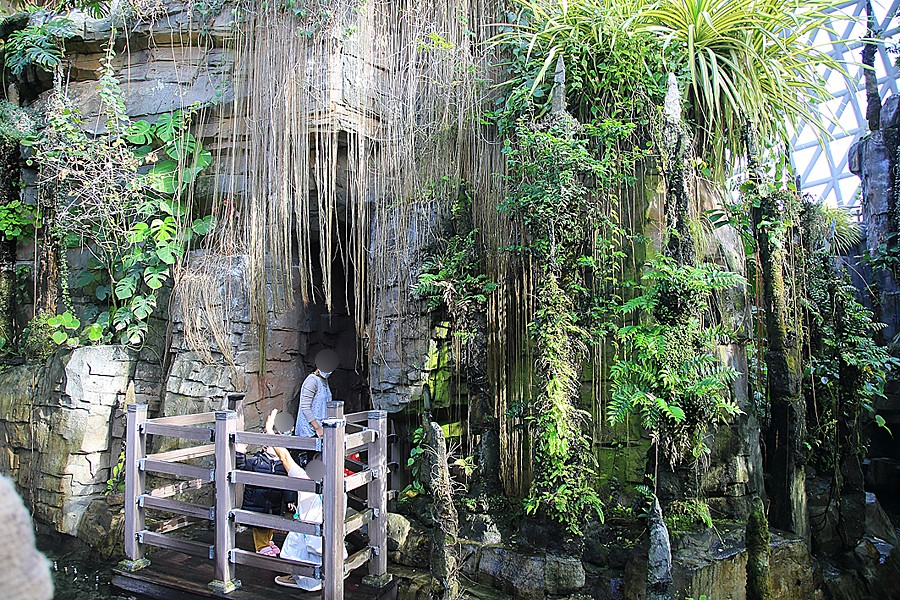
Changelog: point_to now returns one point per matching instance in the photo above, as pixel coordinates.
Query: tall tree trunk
(787, 427)
(873, 97)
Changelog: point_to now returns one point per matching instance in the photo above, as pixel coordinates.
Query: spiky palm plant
(745, 60)
(738, 61)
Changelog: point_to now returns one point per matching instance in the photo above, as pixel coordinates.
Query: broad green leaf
(204, 225)
(126, 287)
(95, 332)
(139, 133)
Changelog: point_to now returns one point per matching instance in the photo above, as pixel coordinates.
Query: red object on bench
(354, 456)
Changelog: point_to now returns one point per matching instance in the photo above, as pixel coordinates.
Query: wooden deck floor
(175, 576)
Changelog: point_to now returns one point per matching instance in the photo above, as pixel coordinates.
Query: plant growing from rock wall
(844, 377)
(17, 220)
(561, 177)
(565, 180)
(687, 515)
(670, 374)
(454, 284)
(121, 196)
(39, 45)
(771, 202)
(95, 8)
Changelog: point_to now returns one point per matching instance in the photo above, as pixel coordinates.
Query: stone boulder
(62, 426)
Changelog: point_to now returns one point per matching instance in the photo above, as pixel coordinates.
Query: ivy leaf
(95, 332)
(168, 253)
(163, 230)
(676, 413)
(60, 336)
(102, 292)
(69, 321)
(155, 277)
(182, 147)
(138, 232)
(204, 225)
(142, 306)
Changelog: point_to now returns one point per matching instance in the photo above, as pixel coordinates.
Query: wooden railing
(220, 430)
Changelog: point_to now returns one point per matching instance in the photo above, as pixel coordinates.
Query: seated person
(260, 499)
(299, 546)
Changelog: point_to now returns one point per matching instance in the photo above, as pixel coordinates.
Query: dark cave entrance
(321, 328)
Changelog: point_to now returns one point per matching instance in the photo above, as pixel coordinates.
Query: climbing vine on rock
(846, 368)
(121, 196)
(562, 182)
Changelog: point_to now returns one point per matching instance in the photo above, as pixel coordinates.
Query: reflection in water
(78, 572)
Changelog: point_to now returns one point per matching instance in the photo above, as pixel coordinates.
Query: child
(299, 546)
(263, 500)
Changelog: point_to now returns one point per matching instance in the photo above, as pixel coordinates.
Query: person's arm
(307, 394)
(283, 455)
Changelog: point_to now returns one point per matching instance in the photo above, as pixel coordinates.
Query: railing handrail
(369, 436)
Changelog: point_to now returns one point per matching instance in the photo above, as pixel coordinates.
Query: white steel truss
(822, 167)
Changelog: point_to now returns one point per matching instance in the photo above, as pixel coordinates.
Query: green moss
(688, 515)
(759, 585)
(37, 343)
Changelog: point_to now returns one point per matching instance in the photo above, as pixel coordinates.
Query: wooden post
(334, 506)
(378, 575)
(226, 425)
(335, 409)
(135, 451)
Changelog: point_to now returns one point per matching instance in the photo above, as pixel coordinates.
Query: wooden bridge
(171, 574)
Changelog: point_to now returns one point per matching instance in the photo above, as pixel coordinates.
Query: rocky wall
(181, 58)
(874, 158)
(196, 384)
(61, 426)
(710, 563)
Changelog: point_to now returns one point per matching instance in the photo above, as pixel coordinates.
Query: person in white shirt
(301, 546)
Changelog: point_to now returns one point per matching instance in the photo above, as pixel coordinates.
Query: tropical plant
(563, 474)
(846, 369)
(745, 60)
(685, 515)
(609, 74)
(452, 277)
(122, 196)
(39, 45)
(94, 8)
(671, 375)
(833, 228)
(738, 61)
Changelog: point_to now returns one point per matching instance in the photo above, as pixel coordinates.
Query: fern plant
(671, 376)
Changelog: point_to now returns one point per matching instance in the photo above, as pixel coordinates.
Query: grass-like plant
(737, 61)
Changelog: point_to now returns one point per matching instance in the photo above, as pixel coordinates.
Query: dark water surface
(78, 572)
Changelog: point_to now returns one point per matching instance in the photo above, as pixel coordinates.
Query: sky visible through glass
(823, 171)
